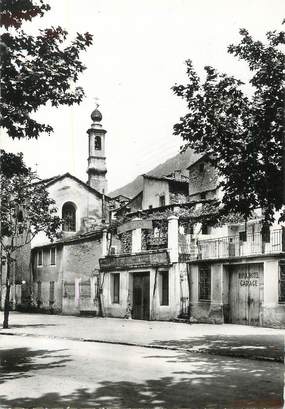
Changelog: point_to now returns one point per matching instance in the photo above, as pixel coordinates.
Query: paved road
(41, 372)
(227, 339)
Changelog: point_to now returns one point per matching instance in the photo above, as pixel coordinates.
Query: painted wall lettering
(248, 276)
(248, 283)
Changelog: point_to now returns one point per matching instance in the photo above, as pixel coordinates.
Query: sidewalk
(230, 340)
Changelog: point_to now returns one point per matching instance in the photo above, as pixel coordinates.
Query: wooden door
(141, 306)
(246, 293)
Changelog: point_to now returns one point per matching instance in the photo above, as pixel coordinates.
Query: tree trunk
(7, 296)
(100, 294)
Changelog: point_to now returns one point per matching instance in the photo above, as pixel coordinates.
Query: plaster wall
(207, 311)
(88, 205)
(157, 311)
(273, 312)
(81, 259)
(152, 189)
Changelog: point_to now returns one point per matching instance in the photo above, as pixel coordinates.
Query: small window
(113, 250)
(116, 288)
(205, 283)
(242, 236)
(40, 258)
(161, 200)
(150, 206)
(203, 196)
(51, 291)
(52, 256)
(98, 144)
(164, 299)
(204, 229)
(265, 232)
(282, 282)
(201, 167)
(69, 217)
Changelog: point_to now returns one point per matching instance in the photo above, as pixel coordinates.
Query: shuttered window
(52, 256)
(116, 288)
(205, 283)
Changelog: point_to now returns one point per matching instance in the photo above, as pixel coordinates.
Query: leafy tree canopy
(11, 164)
(241, 135)
(26, 210)
(36, 69)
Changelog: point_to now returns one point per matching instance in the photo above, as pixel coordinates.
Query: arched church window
(69, 217)
(97, 143)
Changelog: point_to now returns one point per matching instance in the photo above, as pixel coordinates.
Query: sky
(138, 54)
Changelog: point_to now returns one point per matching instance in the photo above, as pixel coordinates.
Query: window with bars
(205, 283)
(52, 256)
(116, 288)
(164, 279)
(69, 217)
(282, 282)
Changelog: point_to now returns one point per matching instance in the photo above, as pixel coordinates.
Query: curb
(154, 346)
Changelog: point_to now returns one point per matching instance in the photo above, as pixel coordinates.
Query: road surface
(56, 373)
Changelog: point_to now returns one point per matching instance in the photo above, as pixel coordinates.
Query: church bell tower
(96, 158)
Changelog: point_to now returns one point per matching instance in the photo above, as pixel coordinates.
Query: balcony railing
(233, 246)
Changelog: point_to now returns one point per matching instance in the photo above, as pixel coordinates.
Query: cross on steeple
(96, 99)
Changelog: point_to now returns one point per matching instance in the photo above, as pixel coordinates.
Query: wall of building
(273, 311)
(202, 180)
(218, 310)
(81, 259)
(207, 311)
(88, 205)
(80, 267)
(152, 189)
(178, 287)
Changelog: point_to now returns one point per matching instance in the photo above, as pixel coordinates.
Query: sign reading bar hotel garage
(250, 279)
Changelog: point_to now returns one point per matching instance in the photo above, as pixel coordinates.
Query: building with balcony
(144, 279)
(234, 272)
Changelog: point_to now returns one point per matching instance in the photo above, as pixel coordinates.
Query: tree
(241, 135)
(36, 70)
(11, 164)
(26, 210)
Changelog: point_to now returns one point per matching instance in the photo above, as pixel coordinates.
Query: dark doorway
(141, 296)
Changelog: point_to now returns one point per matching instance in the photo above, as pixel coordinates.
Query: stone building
(237, 269)
(63, 276)
(174, 261)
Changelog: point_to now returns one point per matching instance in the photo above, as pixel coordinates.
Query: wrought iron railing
(233, 246)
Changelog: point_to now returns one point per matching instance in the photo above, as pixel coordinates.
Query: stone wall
(201, 180)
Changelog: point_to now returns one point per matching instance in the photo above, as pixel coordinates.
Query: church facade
(62, 277)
